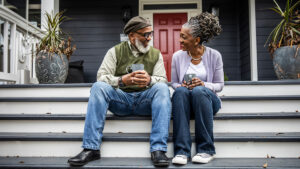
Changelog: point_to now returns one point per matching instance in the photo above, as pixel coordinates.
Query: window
(28, 9)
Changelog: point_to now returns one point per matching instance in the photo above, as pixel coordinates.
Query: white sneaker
(180, 159)
(202, 158)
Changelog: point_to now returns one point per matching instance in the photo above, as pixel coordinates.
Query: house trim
(253, 42)
(148, 14)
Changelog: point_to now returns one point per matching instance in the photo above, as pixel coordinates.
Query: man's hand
(128, 79)
(141, 78)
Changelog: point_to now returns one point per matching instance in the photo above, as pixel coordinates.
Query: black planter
(51, 68)
(287, 63)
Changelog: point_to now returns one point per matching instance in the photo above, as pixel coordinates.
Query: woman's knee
(199, 91)
(181, 91)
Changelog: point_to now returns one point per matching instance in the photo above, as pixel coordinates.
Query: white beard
(140, 47)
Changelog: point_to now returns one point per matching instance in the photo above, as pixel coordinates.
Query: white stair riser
(257, 106)
(229, 90)
(144, 126)
(141, 149)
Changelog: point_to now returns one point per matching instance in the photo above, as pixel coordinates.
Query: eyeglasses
(146, 34)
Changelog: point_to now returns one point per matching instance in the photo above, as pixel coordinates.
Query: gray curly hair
(205, 25)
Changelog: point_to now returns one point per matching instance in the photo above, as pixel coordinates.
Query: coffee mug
(134, 67)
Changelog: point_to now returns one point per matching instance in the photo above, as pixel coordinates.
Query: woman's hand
(196, 82)
(184, 84)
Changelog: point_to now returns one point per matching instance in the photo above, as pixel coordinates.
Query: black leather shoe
(159, 158)
(84, 157)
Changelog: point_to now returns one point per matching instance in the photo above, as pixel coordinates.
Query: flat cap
(135, 24)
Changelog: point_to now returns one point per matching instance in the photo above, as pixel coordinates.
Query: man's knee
(161, 88)
(100, 85)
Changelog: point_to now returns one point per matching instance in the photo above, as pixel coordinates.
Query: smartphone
(188, 78)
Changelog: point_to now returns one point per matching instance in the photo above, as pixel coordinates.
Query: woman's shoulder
(213, 52)
(179, 54)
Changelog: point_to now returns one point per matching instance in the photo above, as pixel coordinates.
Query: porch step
(240, 145)
(224, 123)
(234, 88)
(77, 105)
(140, 163)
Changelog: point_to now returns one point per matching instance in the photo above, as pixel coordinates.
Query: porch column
(253, 43)
(50, 6)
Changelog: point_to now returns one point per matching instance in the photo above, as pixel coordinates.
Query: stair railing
(18, 39)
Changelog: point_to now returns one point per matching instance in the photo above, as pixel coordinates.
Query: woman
(198, 97)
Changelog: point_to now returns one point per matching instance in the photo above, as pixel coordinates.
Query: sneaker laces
(181, 156)
(204, 155)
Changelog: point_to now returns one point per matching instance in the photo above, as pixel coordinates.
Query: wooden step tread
(124, 163)
(218, 116)
(85, 99)
(144, 137)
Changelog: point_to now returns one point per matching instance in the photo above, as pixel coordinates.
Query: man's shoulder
(154, 49)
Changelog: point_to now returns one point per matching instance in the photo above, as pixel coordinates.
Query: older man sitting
(131, 81)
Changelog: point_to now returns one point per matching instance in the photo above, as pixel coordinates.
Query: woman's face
(187, 41)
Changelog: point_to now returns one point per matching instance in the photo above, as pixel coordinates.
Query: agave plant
(54, 39)
(287, 32)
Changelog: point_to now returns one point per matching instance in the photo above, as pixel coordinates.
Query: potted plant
(284, 42)
(53, 52)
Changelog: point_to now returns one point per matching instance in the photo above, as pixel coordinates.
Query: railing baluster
(5, 47)
(13, 63)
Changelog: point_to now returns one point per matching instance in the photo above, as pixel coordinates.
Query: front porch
(96, 26)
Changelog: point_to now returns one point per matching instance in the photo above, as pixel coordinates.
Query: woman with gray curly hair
(197, 74)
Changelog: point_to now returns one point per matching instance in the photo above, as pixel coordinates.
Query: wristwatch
(121, 84)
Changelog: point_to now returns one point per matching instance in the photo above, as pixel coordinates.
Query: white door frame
(148, 14)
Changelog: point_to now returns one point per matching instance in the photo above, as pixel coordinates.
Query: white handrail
(19, 41)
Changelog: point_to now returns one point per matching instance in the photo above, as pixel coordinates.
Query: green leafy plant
(287, 32)
(54, 40)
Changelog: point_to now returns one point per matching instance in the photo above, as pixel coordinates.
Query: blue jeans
(154, 101)
(203, 103)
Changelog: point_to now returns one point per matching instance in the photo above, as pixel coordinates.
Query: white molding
(253, 42)
(8, 77)
(148, 14)
(49, 6)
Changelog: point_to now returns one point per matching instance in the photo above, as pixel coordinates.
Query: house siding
(266, 20)
(227, 43)
(244, 35)
(95, 27)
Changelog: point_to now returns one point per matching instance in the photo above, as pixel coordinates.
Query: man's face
(144, 35)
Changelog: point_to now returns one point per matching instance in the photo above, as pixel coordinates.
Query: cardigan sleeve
(217, 83)
(174, 75)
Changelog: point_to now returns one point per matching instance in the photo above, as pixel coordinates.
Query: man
(142, 92)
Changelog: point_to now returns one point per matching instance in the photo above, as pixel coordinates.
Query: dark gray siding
(266, 20)
(244, 40)
(95, 27)
(228, 42)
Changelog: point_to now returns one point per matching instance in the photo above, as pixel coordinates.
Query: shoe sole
(81, 164)
(161, 164)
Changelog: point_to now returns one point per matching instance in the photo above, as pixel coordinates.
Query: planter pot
(51, 67)
(287, 63)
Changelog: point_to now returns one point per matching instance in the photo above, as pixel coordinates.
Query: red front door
(166, 35)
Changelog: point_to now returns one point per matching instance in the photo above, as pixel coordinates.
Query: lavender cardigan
(212, 61)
